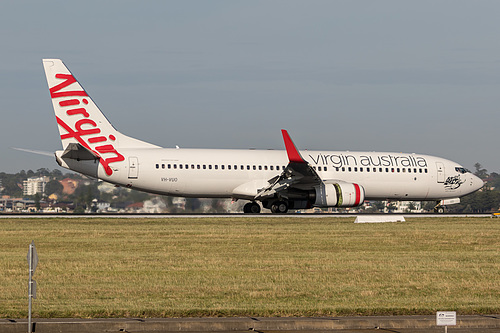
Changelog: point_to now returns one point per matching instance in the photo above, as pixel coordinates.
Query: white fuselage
(224, 173)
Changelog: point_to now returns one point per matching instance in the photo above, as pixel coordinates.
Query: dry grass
(250, 267)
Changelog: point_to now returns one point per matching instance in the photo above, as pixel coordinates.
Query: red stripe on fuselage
(358, 194)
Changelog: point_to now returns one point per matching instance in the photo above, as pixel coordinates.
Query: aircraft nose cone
(476, 183)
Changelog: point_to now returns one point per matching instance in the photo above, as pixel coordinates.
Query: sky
(392, 76)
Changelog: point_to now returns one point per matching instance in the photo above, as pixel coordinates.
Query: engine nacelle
(339, 195)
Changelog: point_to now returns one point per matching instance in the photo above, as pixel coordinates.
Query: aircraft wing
(298, 174)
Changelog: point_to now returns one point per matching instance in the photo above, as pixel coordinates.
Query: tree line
(483, 201)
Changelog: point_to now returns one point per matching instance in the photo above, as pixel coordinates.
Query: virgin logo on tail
(82, 127)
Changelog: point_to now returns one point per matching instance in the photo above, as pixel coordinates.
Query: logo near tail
(83, 129)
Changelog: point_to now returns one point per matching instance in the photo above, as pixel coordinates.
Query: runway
(403, 324)
(228, 215)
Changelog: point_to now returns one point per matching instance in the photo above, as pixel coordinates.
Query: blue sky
(400, 76)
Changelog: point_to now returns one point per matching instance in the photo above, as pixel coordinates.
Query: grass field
(250, 267)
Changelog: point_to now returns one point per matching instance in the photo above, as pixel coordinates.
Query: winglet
(293, 154)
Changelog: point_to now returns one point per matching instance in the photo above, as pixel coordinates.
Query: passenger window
(210, 167)
(157, 166)
(198, 166)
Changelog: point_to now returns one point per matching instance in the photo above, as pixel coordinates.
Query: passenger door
(133, 167)
(440, 172)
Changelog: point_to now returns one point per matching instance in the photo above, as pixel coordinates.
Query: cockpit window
(461, 170)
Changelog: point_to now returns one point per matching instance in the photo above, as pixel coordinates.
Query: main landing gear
(279, 207)
(251, 208)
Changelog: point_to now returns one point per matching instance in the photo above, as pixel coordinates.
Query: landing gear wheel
(251, 208)
(279, 207)
(439, 210)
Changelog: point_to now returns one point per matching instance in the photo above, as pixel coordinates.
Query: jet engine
(339, 194)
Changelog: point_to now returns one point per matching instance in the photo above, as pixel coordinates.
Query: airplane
(274, 179)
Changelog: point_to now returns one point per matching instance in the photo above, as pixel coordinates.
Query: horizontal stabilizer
(78, 152)
(38, 152)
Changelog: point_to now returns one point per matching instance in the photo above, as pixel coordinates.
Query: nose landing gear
(439, 208)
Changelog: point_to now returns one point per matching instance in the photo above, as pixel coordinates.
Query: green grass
(250, 267)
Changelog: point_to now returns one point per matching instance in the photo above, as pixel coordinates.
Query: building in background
(34, 185)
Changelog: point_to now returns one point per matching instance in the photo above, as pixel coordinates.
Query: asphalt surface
(402, 324)
(229, 215)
